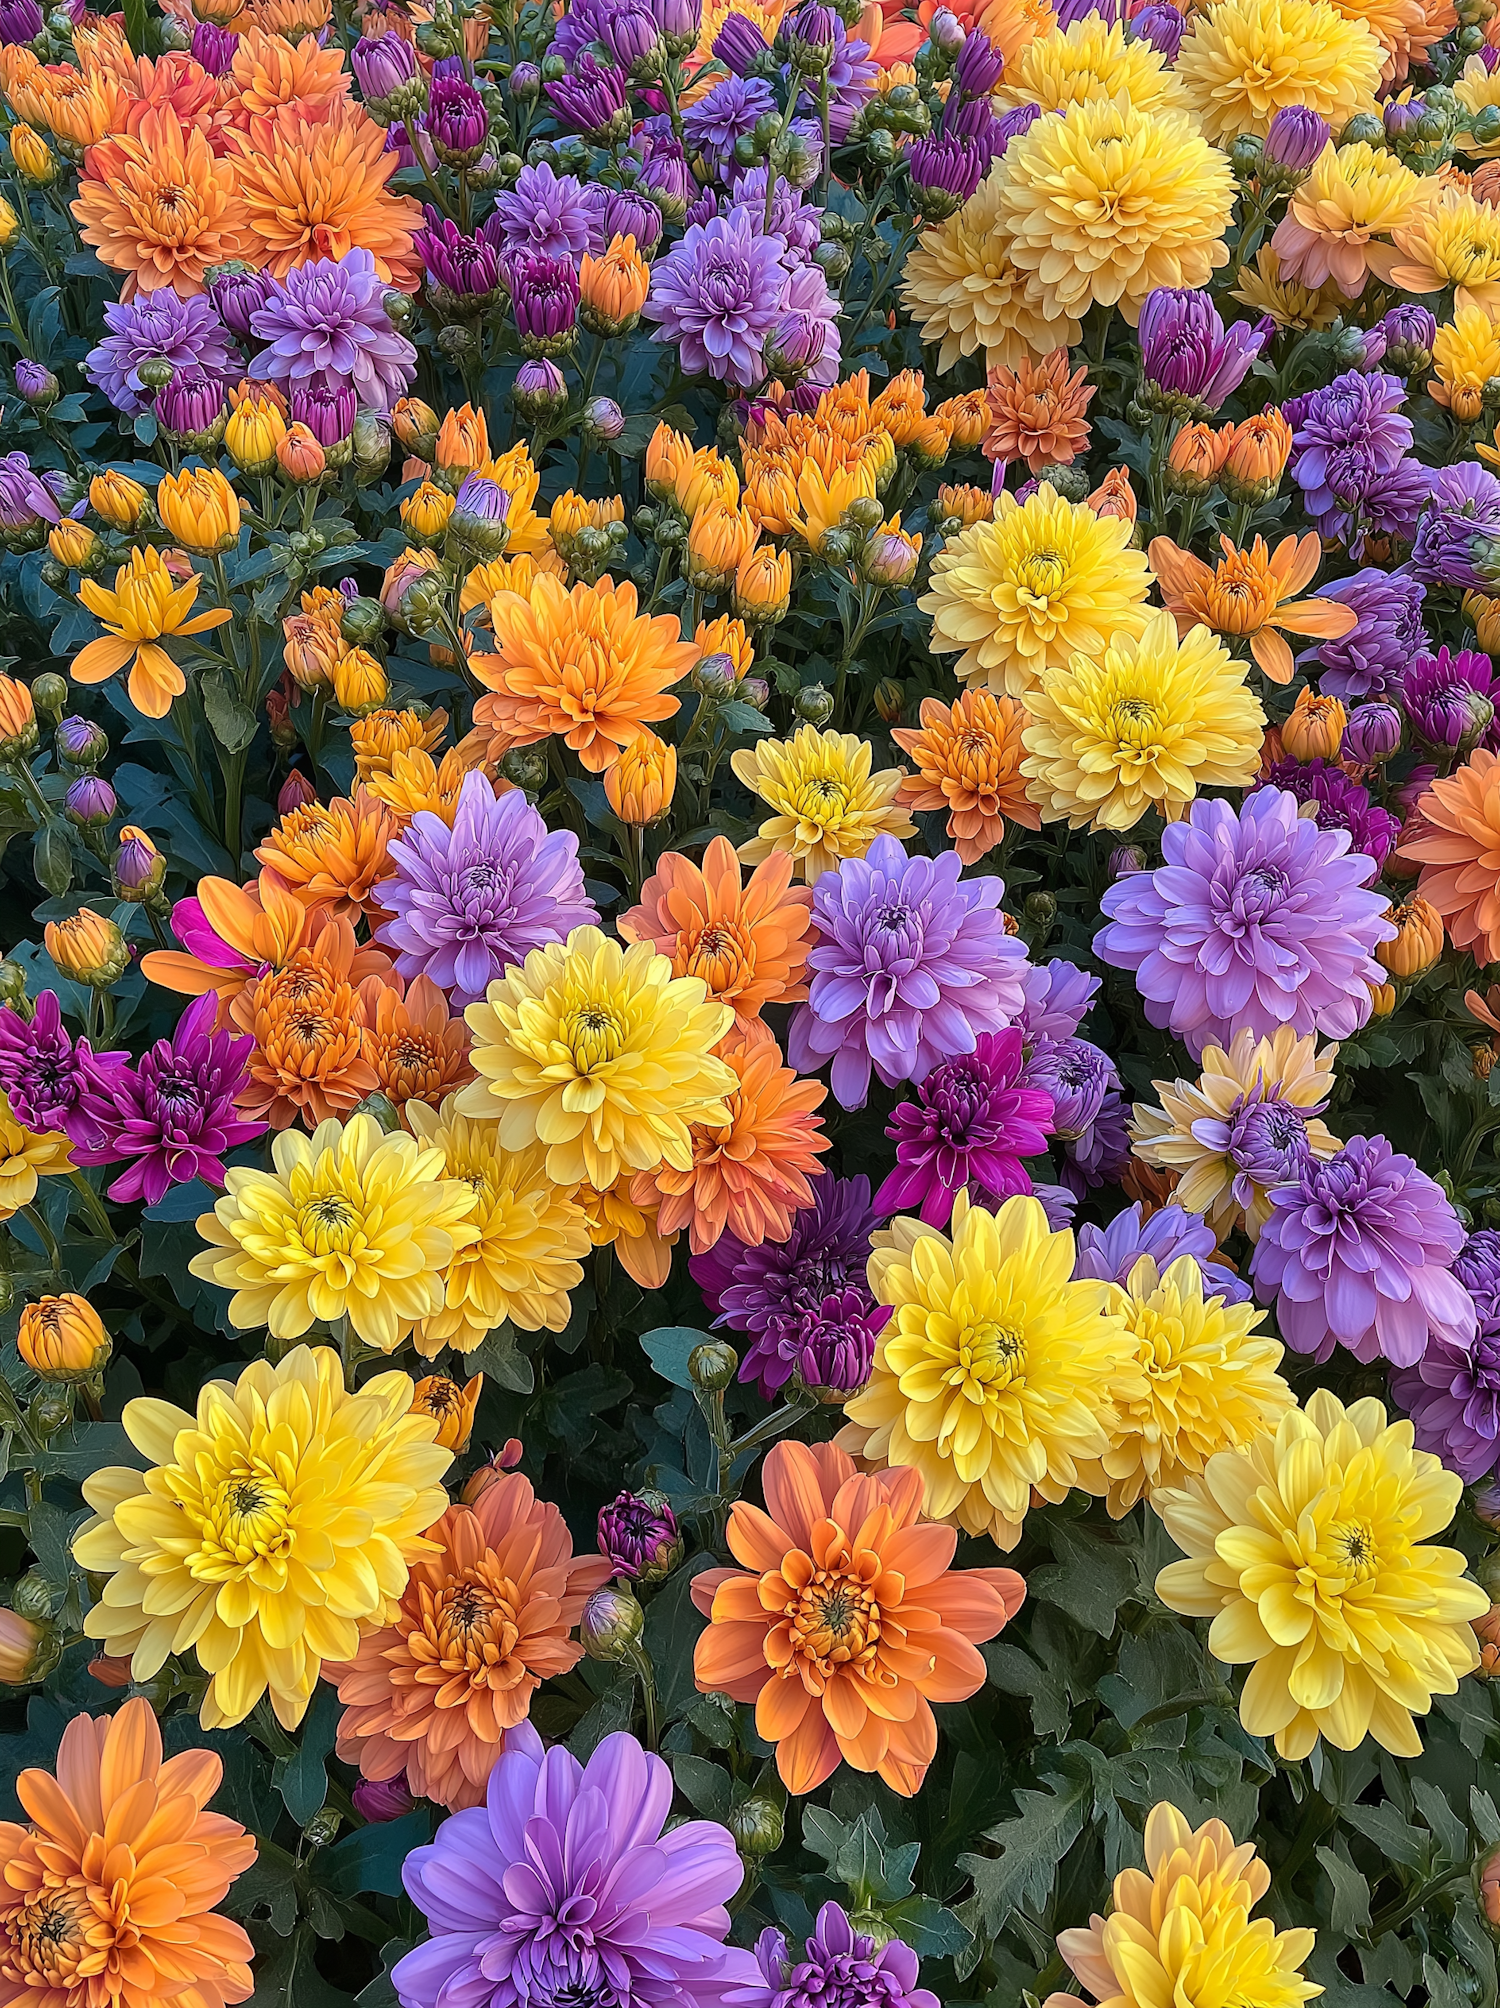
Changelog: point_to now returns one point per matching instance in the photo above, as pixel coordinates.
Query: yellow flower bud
(425, 514)
(34, 159)
(62, 1338)
(360, 683)
(763, 586)
(10, 225)
(718, 542)
(199, 510)
(451, 1406)
(959, 502)
(415, 424)
(88, 948)
(1418, 943)
(640, 785)
(73, 544)
(1485, 614)
(1382, 999)
(708, 477)
(117, 498)
(255, 430)
(1315, 729)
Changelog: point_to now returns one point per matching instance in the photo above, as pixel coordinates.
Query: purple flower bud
(36, 383)
(1162, 27)
(525, 80)
(90, 801)
(627, 214)
(192, 403)
(602, 417)
(977, 70)
(1010, 125)
(835, 1345)
(381, 1799)
(238, 293)
(946, 32)
(796, 344)
(327, 413)
(1076, 1075)
(1188, 356)
(633, 38)
(383, 67)
(1125, 859)
(593, 100)
(1409, 331)
(666, 178)
(540, 389)
(640, 1537)
(1296, 137)
(1372, 734)
(213, 48)
(544, 299)
(739, 44)
(681, 23)
(80, 741)
(1449, 698)
(811, 33)
(1375, 345)
(467, 266)
(456, 120)
(946, 170)
(139, 865)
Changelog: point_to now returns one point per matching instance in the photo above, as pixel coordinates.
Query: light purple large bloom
(157, 327)
(1108, 1254)
(839, 1968)
(1058, 996)
(1452, 1394)
(910, 967)
(717, 294)
(727, 113)
(327, 326)
(1389, 632)
(1256, 918)
(471, 901)
(1358, 1252)
(973, 1121)
(562, 1888)
(547, 213)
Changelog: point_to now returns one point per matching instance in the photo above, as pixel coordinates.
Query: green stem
(94, 1207)
(47, 1238)
(645, 1673)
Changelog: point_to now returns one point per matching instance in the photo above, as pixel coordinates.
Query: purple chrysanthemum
(1458, 539)
(831, 1347)
(851, 78)
(639, 1535)
(1099, 1156)
(717, 294)
(1058, 995)
(552, 215)
(467, 266)
(172, 1115)
(839, 1968)
(724, 115)
(1449, 699)
(911, 965)
(44, 1070)
(326, 326)
(470, 901)
(749, 1289)
(1342, 803)
(1452, 1394)
(795, 220)
(1358, 1252)
(973, 1121)
(1188, 353)
(1388, 633)
(1347, 436)
(1108, 1254)
(157, 327)
(1075, 1076)
(562, 1889)
(27, 498)
(1257, 918)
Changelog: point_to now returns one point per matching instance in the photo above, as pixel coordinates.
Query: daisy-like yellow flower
(1476, 90)
(1309, 1551)
(1105, 202)
(1091, 59)
(1044, 581)
(1182, 1931)
(1263, 288)
(1211, 1381)
(530, 1236)
(270, 1532)
(1454, 241)
(1465, 354)
(1243, 61)
(602, 1055)
(1228, 1134)
(144, 609)
(1144, 727)
(26, 1157)
(827, 804)
(350, 1224)
(1335, 225)
(966, 289)
(997, 1375)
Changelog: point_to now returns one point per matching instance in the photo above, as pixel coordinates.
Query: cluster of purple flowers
(1457, 542)
(1452, 1393)
(1388, 632)
(1342, 804)
(1351, 457)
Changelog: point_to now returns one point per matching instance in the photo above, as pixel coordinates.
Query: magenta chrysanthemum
(971, 1124)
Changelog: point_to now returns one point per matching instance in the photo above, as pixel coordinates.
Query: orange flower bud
(1114, 497)
(901, 407)
(964, 504)
(930, 442)
(73, 544)
(415, 424)
(109, 1671)
(451, 1407)
(29, 1649)
(968, 418)
(1195, 457)
(763, 586)
(310, 648)
(62, 1338)
(707, 478)
(505, 1459)
(255, 429)
(1256, 457)
(299, 455)
(88, 948)
(571, 514)
(34, 159)
(1485, 614)
(360, 683)
(1418, 943)
(462, 444)
(726, 636)
(612, 289)
(18, 729)
(117, 498)
(199, 509)
(1315, 729)
(424, 515)
(639, 785)
(669, 454)
(718, 542)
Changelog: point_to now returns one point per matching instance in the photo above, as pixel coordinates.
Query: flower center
(821, 800)
(594, 1035)
(990, 1357)
(248, 1519)
(47, 1934)
(1133, 723)
(834, 1620)
(468, 1628)
(1042, 574)
(1352, 1543)
(716, 955)
(328, 1224)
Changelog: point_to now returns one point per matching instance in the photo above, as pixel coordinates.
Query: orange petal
(1272, 654)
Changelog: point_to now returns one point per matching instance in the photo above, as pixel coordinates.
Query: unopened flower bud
(813, 704)
(49, 693)
(612, 1624)
(603, 421)
(1372, 734)
(62, 1338)
(540, 390)
(89, 948)
(36, 384)
(323, 1827)
(890, 700)
(451, 1406)
(90, 802)
(525, 767)
(29, 1649)
(380, 1799)
(713, 1365)
(640, 1537)
(139, 866)
(758, 1826)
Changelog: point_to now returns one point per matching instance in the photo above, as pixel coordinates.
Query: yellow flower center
(1352, 1545)
(1042, 576)
(47, 1934)
(329, 1224)
(821, 800)
(989, 1357)
(594, 1035)
(468, 1628)
(1134, 722)
(248, 1522)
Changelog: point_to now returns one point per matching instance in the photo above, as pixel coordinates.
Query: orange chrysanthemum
(318, 191)
(614, 1220)
(381, 735)
(80, 106)
(1036, 412)
(269, 71)
(158, 206)
(173, 81)
(307, 1019)
(583, 665)
(418, 1049)
(1457, 844)
(968, 757)
(1248, 593)
(748, 942)
(109, 1893)
(726, 636)
(481, 1625)
(332, 856)
(845, 1622)
(417, 781)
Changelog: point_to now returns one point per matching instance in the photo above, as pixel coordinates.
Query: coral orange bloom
(109, 1893)
(482, 1624)
(1457, 845)
(419, 1051)
(233, 934)
(584, 665)
(309, 1029)
(1036, 412)
(317, 191)
(145, 607)
(845, 1622)
(332, 856)
(158, 206)
(968, 757)
(1248, 593)
(269, 71)
(748, 942)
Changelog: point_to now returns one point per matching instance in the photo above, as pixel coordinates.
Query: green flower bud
(758, 1826)
(713, 1365)
(612, 1622)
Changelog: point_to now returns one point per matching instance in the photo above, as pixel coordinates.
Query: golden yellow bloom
(529, 1240)
(726, 636)
(271, 1531)
(708, 477)
(1090, 59)
(1308, 1550)
(1046, 580)
(1263, 288)
(89, 947)
(1314, 728)
(117, 498)
(1243, 61)
(425, 512)
(1419, 940)
(145, 608)
(1466, 354)
(451, 1407)
(416, 781)
(350, 1224)
(669, 454)
(72, 543)
(968, 419)
(763, 586)
(360, 683)
(379, 736)
(997, 1375)
(1454, 241)
(640, 785)
(1355, 196)
(62, 1338)
(199, 510)
(34, 159)
(1141, 728)
(828, 805)
(10, 224)
(256, 427)
(600, 1054)
(26, 1157)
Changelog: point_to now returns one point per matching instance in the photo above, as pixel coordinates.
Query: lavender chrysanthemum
(831, 1348)
(1108, 1254)
(1257, 918)
(326, 327)
(795, 220)
(1342, 804)
(1348, 436)
(717, 294)
(470, 901)
(562, 1889)
(1452, 1394)
(912, 964)
(839, 1968)
(157, 327)
(1457, 542)
(749, 1289)
(724, 115)
(1188, 353)
(1368, 660)
(1058, 996)
(1358, 1252)
(1075, 1076)
(44, 1070)
(973, 1121)
(1101, 1155)
(550, 215)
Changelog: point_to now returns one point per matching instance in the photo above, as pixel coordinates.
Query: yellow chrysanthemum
(351, 1224)
(1182, 1932)
(1477, 89)
(1466, 354)
(827, 803)
(1214, 1132)
(530, 1236)
(1334, 227)
(1144, 727)
(271, 1531)
(1454, 241)
(25, 1157)
(1307, 1549)
(964, 287)
(1106, 202)
(1245, 60)
(1211, 1381)
(1263, 289)
(997, 1374)
(1044, 581)
(601, 1054)
(1091, 59)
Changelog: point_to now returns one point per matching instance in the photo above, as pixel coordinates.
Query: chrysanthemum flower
(968, 757)
(748, 942)
(845, 1623)
(615, 1221)
(1476, 91)
(1250, 593)
(1183, 1931)
(584, 665)
(159, 207)
(1457, 845)
(998, 1377)
(1355, 196)
(378, 738)
(1090, 58)
(145, 607)
(962, 283)
(1465, 354)
(827, 803)
(528, 1240)
(601, 1054)
(484, 1620)
(268, 1532)
(350, 1224)
(417, 782)
(1452, 241)
(1245, 60)
(26, 1157)
(1145, 727)
(972, 1123)
(110, 1888)
(417, 1051)
(1405, 30)
(1243, 1126)
(308, 1060)
(1105, 202)
(1046, 580)
(269, 70)
(1263, 288)
(317, 191)
(332, 857)
(1035, 411)
(1308, 1549)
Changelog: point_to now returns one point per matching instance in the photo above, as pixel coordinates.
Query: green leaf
(81, 1451)
(1396, 1838)
(135, 26)
(742, 717)
(613, 1710)
(668, 1349)
(302, 1779)
(232, 724)
(502, 1361)
(1350, 1915)
(1031, 1847)
(931, 1930)
(1451, 1834)
(1089, 1580)
(52, 857)
(369, 1860)
(707, 1787)
(673, 1623)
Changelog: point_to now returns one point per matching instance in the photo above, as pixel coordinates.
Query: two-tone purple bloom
(27, 498)
(750, 1289)
(1342, 804)
(553, 215)
(468, 267)
(156, 327)
(1187, 353)
(1108, 1254)
(1452, 1394)
(1449, 699)
(1387, 633)
(639, 1536)
(973, 1121)
(839, 1968)
(1349, 455)
(1057, 998)
(593, 99)
(830, 1347)
(1458, 539)
(326, 327)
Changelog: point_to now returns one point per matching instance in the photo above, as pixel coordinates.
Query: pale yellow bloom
(1090, 59)
(827, 804)
(26, 1156)
(1243, 61)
